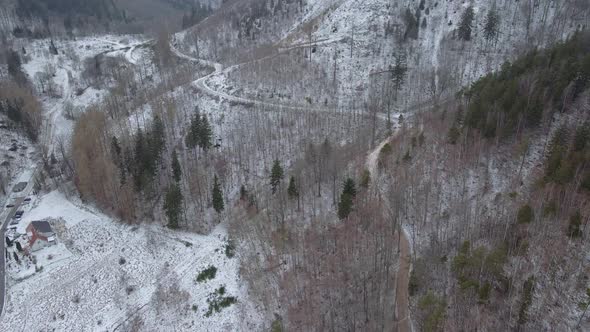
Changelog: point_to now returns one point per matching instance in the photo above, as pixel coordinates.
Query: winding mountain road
(202, 83)
(403, 321)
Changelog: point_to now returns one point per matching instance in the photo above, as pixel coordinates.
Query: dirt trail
(402, 297)
(402, 322)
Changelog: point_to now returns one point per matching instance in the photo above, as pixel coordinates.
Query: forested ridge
(523, 136)
(534, 87)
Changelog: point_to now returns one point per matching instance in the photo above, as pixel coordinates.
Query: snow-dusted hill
(104, 275)
(367, 38)
(292, 81)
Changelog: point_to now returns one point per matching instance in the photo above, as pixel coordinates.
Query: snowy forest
(295, 165)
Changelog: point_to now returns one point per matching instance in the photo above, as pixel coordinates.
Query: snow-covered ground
(64, 85)
(104, 274)
(16, 155)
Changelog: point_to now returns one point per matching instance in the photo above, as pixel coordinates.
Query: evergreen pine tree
(173, 205)
(157, 139)
(192, 138)
(116, 148)
(116, 152)
(399, 71)
(276, 175)
(490, 30)
(218, 204)
(205, 134)
(292, 190)
(346, 199)
(466, 24)
(176, 170)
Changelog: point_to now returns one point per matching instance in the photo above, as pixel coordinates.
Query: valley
(296, 165)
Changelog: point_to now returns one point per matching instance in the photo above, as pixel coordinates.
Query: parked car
(8, 206)
(28, 199)
(14, 222)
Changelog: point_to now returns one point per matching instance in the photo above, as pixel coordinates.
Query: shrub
(574, 228)
(527, 297)
(525, 214)
(470, 266)
(550, 209)
(484, 292)
(207, 274)
(277, 324)
(217, 301)
(386, 149)
(434, 308)
(230, 249)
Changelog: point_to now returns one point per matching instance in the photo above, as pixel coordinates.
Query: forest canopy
(521, 93)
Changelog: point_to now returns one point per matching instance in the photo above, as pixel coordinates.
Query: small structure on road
(40, 235)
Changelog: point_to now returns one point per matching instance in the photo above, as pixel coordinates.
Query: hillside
(296, 165)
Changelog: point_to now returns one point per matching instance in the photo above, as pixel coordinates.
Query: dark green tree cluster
(434, 309)
(141, 161)
(200, 132)
(525, 214)
(569, 156)
(347, 199)
(478, 268)
(502, 102)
